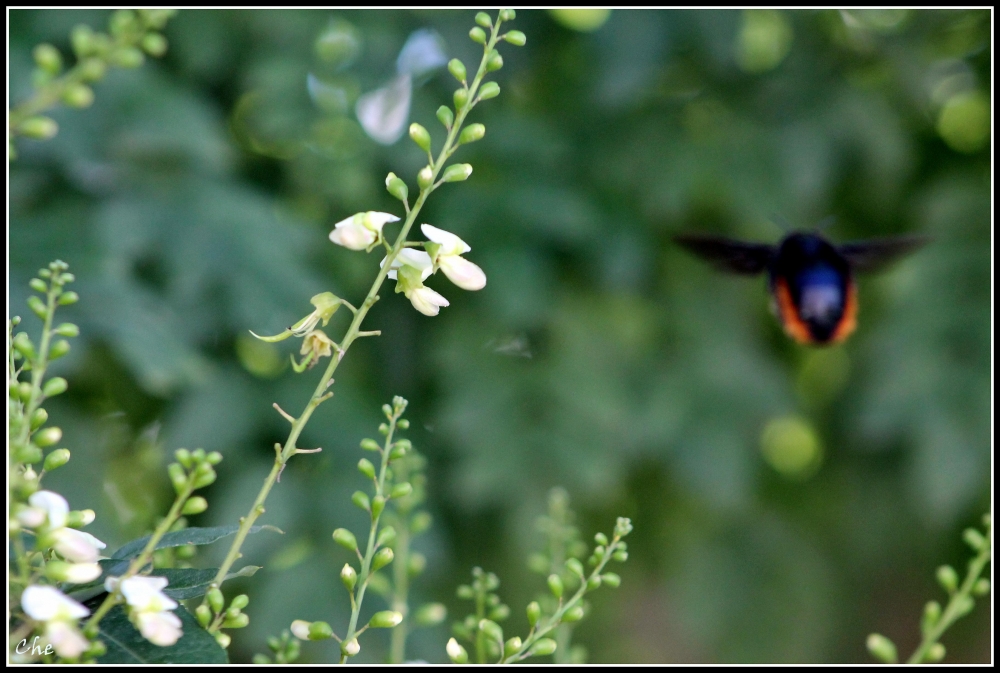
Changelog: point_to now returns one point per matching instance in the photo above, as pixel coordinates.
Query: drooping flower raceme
(149, 608)
(59, 614)
(446, 250)
(361, 231)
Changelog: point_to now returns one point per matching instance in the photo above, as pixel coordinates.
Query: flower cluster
(149, 609)
(59, 614)
(411, 267)
(48, 514)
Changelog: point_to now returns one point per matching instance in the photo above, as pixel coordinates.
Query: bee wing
(872, 255)
(727, 254)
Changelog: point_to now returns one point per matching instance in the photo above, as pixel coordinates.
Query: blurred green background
(787, 501)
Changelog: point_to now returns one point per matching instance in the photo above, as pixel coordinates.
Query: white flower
(300, 629)
(352, 647)
(361, 230)
(149, 607)
(66, 640)
(447, 254)
(418, 259)
(53, 504)
(80, 573)
(160, 628)
(75, 545)
(46, 604)
(425, 300)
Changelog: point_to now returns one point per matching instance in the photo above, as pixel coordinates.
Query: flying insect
(811, 280)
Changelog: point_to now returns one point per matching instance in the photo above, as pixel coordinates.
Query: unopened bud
(47, 437)
(397, 188)
(534, 613)
(382, 558)
(40, 128)
(430, 614)
(154, 44)
(386, 536)
(401, 490)
(215, 599)
(574, 614)
(555, 585)
(78, 95)
(516, 38)
(882, 648)
(345, 539)
(457, 70)
(48, 58)
(542, 648)
(947, 578)
(369, 445)
(56, 459)
(195, 505)
(489, 90)
(420, 136)
(386, 619)
(456, 652)
(445, 116)
(320, 631)
(54, 386)
(495, 61)
(457, 172)
(349, 576)
(425, 178)
(478, 35)
(483, 19)
(461, 97)
(471, 133)
(351, 647)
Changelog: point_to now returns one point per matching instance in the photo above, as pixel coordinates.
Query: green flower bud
(350, 648)
(534, 613)
(574, 614)
(386, 619)
(471, 134)
(177, 477)
(345, 539)
(378, 504)
(947, 578)
(203, 476)
(320, 631)
(204, 614)
(383, 429)
(478, 35)
(611, 579)
(457, 172)
(935, 653)
(56, 459)
(511, 646)
(495, 61)
(121, 21)
(445, 116)
(542, 648)
(382, 558)
(404, 424)
(349, 576)
(361, 500)
(38, 285)
(58, 349)
(932, 613)
(185, 551)
(29, 454)
(430, 614)
(461, 97)
(369, 445)
(24, 390)
(386, 536)
(198, 455)
(47, 437)
(48, 58)
(456, 652)
(465, 591)
(240, 602)
(386, 409)
(491, 629)
(127, 57)
(425, 178)
(416, 564)
(574, 566)
(66, 278)
(489, 90)
(154, 44)
(37, 306)
(40, 128)
(516, 38)
(420, 136)
(22, 344)
(67, 298)
(981, 587)
(620, 556)
(183, 457)
(38, 418)
(238, 622)
(882, 648)
(213, 458)
(623, 526)
(396, 187)
(555, 585)
(457, 70)
(215, 599)
(195, 505)
(91, 69)
(401, 490)
(507, 14)
(499, 613)
(366, 468)
(223, 640)
(601, 539)
(483, 19)
(974, 539)
(78, 95)
(67, 329)
(964, 605)
(594, 583)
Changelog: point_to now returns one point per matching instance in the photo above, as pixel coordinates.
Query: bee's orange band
(849, 320)
(790, 320)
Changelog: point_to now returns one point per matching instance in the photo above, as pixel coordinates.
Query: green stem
(40, 364)
(957, 606)
(321, 394)
(366, 562)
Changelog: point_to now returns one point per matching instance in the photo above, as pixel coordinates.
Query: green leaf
(182, 583)
(195, 536)
(127, 646)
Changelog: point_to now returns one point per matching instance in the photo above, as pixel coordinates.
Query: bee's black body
(811, 280)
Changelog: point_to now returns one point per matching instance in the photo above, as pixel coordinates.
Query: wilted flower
(149, 608)
(316, 345)
(446, 250)
(326, 304)
(59, 613)
(361, 231)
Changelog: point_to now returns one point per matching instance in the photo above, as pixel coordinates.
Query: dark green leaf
(195, 536)
(127, 646)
